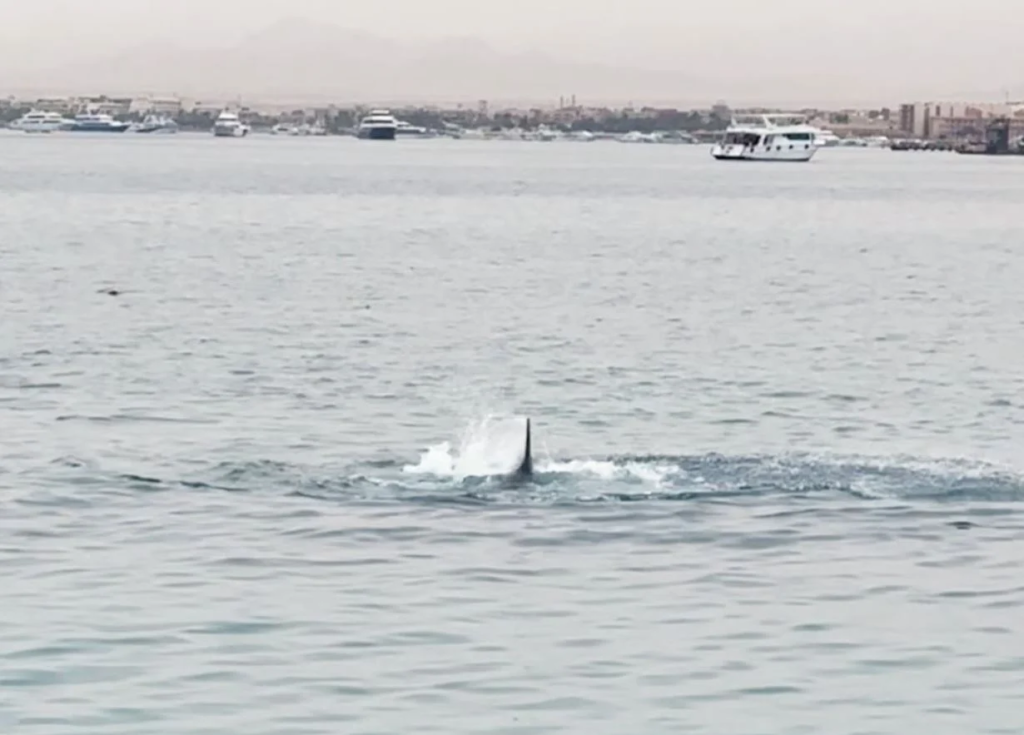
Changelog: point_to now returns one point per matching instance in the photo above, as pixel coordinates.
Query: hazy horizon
(646, 51)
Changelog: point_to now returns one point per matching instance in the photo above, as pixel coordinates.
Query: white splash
(493, 446)
(490, 446)
(631, 472)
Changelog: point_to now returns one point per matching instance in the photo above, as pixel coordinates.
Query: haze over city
(787, 52)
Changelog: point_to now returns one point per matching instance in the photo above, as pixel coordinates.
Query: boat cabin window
(799, 136)
(744, 139)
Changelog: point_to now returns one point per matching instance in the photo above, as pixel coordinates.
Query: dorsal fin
(525, 468)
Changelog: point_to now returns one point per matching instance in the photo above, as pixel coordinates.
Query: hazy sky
(871, 49)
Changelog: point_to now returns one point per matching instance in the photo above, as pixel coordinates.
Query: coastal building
(157, 106)
(62, 105)
(854, 123)
(956, 120)
(103, 105)
(210, 108)
(566, 115)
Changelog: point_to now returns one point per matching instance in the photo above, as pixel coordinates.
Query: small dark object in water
(962, 525)
(110, 291)
(524, 471)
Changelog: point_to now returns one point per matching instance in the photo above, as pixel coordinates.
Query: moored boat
(157, 124)
(38, 121)
(96, 122)
(378, 125)
(229, 125)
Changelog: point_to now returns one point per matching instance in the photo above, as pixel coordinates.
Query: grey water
(777, 409)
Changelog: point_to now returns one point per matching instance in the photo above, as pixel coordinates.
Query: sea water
(776, 410)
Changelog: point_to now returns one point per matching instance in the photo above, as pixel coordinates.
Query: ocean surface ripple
(777, 420)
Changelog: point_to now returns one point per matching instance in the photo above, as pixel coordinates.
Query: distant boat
(96, 122)
(299, 130)
(378, 125)
(452, 130)
(674, 137)
(157, 124)
(38, 121)
(228, 125)
(772, 137)
(826, 139)
(405, 129)
(635, 136)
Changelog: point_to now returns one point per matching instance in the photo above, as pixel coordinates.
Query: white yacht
(767, 137)
(546, 134)
(827, 139)
(228, 125)
(408, 130)
(156, 124)
(38, 121)
(635, 136)
(300, 130)
(675, 137)
(378, 125)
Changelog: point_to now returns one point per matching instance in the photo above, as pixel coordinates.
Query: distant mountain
(302, 60)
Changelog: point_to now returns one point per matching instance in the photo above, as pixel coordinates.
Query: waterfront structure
(1000, 140)
(169, 106)
(956, 120)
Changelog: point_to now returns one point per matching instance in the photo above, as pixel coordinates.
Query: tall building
(954, 119)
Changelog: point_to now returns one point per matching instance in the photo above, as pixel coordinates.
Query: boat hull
(970, 152)
(413, 133)
(87, 128)
(230, 132)
(797, 154)
(377, 133)
(38, 127)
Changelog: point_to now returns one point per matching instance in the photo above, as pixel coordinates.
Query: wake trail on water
(492, 446)
(475, 465)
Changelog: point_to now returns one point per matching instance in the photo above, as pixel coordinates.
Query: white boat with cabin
(767, 137)
(156, 124)
(407, 130)
(827, 139)
(299, 130)
(635, 136)
(546, 134)
(378, 125)
(38, 121)
(229, 125)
